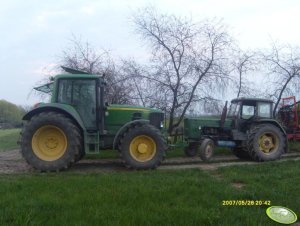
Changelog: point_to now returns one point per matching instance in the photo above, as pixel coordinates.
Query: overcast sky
(34, 32)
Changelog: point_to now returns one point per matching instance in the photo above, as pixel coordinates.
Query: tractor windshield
(233, 109)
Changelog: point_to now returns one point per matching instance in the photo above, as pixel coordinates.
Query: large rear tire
(51, 142)
(266, 142)
(142, 147)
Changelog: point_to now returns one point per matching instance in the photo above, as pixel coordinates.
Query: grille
(156, 118)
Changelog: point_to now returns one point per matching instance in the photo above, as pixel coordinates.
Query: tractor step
(91, 142)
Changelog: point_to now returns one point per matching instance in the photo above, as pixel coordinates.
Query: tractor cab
(244, 111)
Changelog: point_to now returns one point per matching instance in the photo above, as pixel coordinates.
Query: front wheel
(206, 149)
(266, 142)
(142, 147)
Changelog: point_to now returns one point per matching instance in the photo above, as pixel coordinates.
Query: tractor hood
(118, 115)
(210, 121)
(192, 126)
(119, 107)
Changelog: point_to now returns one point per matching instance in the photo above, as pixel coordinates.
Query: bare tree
(188, 59)
(83, 56)
(284, 69)
(143, 92)
(242, 64)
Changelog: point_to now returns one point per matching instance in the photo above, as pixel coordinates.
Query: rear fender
(61, 108)
(274, 122)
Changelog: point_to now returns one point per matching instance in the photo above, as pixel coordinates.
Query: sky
(34, 33)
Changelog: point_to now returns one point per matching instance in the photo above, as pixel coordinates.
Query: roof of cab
(251, 99)
(77, 76)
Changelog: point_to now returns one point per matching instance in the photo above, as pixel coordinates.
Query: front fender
(125, 127)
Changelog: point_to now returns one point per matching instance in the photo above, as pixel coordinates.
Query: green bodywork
(101, 130)
(117, 115)
(192, 126)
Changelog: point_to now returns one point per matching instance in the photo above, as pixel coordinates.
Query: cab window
(248, 111)
(233, 110)
(264, 110)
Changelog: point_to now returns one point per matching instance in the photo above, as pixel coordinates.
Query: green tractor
(78, 121)
(248, 128)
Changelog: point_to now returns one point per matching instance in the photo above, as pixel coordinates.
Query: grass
(294, 146)
(8, 139)
(180, 197)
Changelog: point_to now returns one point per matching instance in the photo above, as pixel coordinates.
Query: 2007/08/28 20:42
(246, 202)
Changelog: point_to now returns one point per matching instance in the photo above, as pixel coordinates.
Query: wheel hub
(266, 143)
(51, 142)
(142, 148)
(208, 150)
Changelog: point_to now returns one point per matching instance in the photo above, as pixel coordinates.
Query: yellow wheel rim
(268, 142)
(49, 143)
(142, 148)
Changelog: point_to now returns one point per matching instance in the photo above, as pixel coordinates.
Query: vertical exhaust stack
(223, 116)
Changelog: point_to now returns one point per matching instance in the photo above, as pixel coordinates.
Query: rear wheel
(51, 141)
(266, 142)
(142, 147)
(206, 150)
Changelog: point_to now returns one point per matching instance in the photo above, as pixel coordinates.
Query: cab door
(81, 94)
(247, 114)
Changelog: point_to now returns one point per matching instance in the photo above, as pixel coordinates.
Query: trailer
(289, 116)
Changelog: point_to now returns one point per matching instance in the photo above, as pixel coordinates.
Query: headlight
(199, 128)
(161, 124)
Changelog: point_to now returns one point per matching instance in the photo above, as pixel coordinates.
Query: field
(180, 197)
(8, 139)
(158, 197)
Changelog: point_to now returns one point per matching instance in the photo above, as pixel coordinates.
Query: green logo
(281, 215)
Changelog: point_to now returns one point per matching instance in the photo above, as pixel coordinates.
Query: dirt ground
(11, 162)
